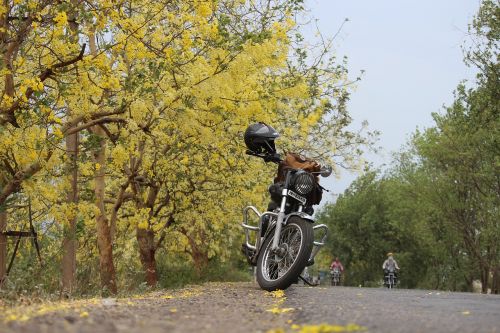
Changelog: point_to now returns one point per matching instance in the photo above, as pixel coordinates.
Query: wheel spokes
(275, 266)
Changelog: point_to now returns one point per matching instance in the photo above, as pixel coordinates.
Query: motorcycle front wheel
(278, 270)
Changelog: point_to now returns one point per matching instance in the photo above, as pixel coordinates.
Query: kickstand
(307, 282)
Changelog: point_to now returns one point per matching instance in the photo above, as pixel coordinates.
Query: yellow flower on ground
(280, 310)
(327, 328)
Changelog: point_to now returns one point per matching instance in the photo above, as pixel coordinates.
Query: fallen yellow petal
(280, 310)
(327, 328)
(278, 293)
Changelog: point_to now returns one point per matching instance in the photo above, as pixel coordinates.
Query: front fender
(302, 215)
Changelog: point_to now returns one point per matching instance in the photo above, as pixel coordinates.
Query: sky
(411, 52)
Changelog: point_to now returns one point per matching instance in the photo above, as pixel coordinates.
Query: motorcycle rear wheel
(296, 241)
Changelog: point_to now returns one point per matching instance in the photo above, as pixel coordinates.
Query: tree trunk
(3, 247)
(495, 283)
(106, 265)
(147, 251)
(200, 259)
(104, 242)
(485, 278)
(199, 256)
(70, 242)
(145, 236)
(469, 280)
(104, 239)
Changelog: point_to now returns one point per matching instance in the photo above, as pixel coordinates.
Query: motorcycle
(285, 235)
(390, 278)
(335, 276)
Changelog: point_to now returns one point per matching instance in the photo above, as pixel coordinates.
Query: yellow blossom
(61, 19)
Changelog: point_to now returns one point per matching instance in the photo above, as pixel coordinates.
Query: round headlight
(304, 183)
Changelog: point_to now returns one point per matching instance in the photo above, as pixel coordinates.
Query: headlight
(304, 183)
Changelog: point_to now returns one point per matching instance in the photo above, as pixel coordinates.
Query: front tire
(296, 241)
(390, 283)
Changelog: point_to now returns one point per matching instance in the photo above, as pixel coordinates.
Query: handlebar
(275, 158)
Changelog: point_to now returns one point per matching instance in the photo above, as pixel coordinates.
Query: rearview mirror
(326, 171)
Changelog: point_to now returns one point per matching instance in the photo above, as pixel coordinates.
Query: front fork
(317, 245)
(280, 217)
(279, 222)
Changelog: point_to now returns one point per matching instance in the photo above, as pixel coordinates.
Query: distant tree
(370, 219)
(462, 152)
(438, 206)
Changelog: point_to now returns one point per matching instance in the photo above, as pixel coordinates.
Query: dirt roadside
(212, 307)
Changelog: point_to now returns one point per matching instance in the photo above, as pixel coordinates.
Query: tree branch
(94, 122)
(9, 113)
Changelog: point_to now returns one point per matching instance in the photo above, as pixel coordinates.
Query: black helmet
(259, 138)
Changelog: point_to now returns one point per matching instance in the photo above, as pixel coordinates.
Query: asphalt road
(243, 307)
(397, 310)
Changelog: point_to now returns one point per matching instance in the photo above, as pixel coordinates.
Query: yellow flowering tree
(136, 129)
